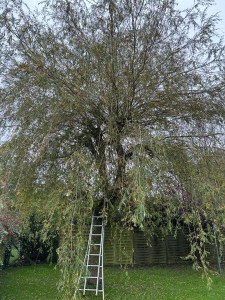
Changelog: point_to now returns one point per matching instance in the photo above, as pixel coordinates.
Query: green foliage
(116, 107)
(9, 234)
(14, 255)
(10, 226)
(32, 245)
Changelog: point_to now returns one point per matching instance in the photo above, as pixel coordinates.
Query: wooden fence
(133, 247)
(123, 246)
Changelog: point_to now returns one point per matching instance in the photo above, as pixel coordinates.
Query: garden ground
(171, 282)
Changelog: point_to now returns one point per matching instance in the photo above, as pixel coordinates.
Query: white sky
(218, 7)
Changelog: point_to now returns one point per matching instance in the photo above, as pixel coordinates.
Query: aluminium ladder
(93, 261)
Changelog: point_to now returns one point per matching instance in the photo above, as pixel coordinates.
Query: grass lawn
(172, 282)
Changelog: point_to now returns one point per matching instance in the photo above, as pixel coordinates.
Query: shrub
(33, 248)
(9, 235)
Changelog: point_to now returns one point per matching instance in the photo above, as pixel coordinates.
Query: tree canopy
(116, 106)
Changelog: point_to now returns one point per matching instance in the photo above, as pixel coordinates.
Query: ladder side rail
(99, 263)
(87, 254)
(103, 289)
(85, 260)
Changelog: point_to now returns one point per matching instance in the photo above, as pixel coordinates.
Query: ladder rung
(93, 266)
(96, 234)
(98, 217)
(91, 277)
(97, 225)
(95, 244)
(94, 254)
(93, 290)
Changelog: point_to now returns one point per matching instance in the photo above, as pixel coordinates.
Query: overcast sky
(219, 7)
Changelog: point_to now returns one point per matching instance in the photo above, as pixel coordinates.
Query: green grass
(173, 282)
(180, 282)
(28, 283)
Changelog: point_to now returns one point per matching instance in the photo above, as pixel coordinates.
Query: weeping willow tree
(117, 107)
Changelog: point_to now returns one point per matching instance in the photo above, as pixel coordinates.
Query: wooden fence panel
(118, 246)
(142, 251)
(161, 250)
(177, 247)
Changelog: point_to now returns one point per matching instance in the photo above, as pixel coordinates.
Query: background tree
(113, 106)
